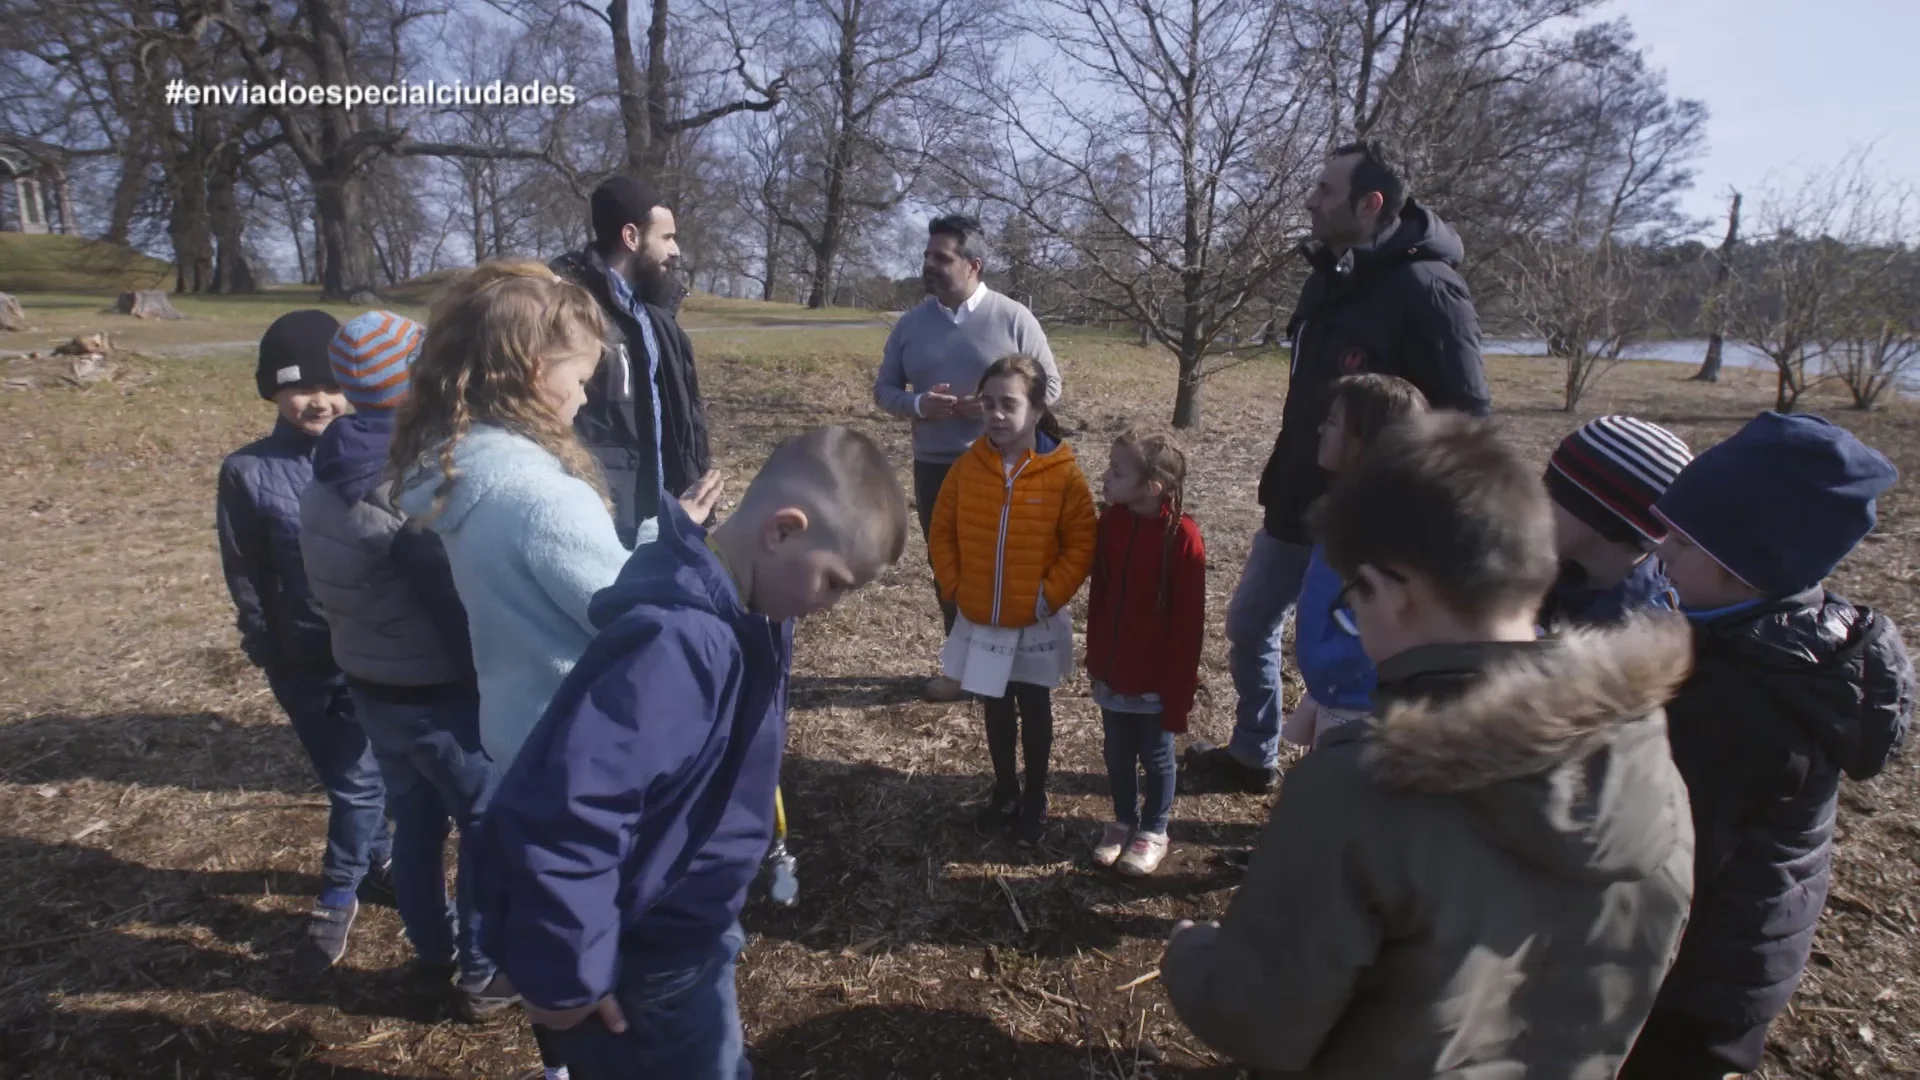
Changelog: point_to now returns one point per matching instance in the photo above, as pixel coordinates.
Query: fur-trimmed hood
(1554, 744)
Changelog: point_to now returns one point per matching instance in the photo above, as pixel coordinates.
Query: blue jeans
(1256, 618)
(683, 1024)
(1137, 740)
(322, 715)
(437, 776)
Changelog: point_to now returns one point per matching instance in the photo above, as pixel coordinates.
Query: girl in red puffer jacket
(1146, 618)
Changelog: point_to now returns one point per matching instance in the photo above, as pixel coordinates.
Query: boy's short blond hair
(846, 485)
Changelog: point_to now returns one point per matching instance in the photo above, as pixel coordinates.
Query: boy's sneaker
(1032, 825)
(1113, 841)
(1001, 811)
(477, 1002)
(326, 940)
(1144, 854)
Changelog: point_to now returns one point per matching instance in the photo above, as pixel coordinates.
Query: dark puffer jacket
(258, 517)
(1784, 697)
(1397, 306)
(617, 421)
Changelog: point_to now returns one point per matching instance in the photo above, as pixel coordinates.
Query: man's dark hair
(620, 201)
(1444, 497)
(1377, 170)
(966, 233)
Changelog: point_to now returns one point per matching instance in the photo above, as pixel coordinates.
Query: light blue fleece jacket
(529, 546)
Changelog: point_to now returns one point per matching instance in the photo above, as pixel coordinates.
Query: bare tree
(874, 105)
(1872, 336)
(1578, 279)
(1161, 153)
(1792, 285)
(1717, 300)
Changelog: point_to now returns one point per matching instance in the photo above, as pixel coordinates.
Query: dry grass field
(159, 832)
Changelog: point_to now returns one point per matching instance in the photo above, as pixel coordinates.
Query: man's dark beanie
(620, 201)
(293, 352)
(1781, 501)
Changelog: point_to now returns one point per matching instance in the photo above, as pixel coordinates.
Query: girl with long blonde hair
(487, 458)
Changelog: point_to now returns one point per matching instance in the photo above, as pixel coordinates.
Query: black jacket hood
(1420, 237)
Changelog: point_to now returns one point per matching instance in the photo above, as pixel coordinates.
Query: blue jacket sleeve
(422, 554)
(568, 854)
(247, 565)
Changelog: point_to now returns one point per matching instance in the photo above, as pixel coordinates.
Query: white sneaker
(1144, 854)
(1113, 840)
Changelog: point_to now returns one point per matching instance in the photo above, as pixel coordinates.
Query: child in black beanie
(282, 629)
(1791, 686)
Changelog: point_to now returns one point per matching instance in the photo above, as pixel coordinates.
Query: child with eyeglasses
(1338, 676)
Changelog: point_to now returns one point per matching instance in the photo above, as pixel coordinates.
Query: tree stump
(147, 304)
(11, 317)
(364, 298)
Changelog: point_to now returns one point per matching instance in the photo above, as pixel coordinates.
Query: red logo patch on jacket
(1352, 360)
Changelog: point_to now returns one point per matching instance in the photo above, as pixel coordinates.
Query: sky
(1789, 85)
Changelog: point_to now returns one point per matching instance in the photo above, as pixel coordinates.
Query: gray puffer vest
(383, 631)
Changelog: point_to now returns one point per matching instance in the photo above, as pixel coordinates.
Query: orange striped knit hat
(371, 354)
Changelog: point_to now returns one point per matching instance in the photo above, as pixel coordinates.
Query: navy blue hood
(675, 571)
(352, 455)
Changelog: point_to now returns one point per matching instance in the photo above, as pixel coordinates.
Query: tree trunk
(299, 239)
(319, 249)
(126, 197)
(346, 266)
(187, 224)
(1186, 398)
(1722, 270)
(659, 99)
(479, 215)
(232, 272)
(626, 76)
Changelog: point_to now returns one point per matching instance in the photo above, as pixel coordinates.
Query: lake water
(1675, 352)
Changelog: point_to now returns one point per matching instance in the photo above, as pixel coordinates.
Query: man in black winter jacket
(1791, 687)
(643, 419)
(1385, 296)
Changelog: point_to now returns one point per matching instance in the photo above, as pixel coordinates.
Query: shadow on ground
(881, 1042)
(199, 751)
(885, 853)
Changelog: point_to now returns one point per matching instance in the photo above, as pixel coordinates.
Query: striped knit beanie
(1609, 473)
(371, 355)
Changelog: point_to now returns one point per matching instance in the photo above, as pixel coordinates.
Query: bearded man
(643, 419)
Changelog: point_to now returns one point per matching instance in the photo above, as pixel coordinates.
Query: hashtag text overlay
(497, 92)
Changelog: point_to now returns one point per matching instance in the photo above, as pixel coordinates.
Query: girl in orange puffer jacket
(1012, 540)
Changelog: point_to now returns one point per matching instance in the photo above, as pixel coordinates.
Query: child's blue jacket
(640, 808)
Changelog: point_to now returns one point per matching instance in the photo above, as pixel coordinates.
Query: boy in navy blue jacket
(282, 629)
(1791, 686)
(616, 855)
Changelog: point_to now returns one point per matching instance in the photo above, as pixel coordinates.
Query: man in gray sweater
(934, 359)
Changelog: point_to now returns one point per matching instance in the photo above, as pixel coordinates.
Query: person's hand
(940, 403)
(970, 407)
(703, 496)
(607, 1009)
